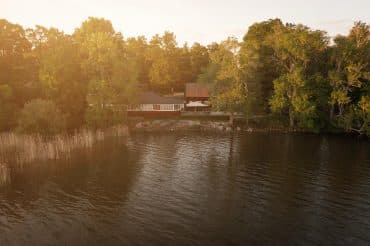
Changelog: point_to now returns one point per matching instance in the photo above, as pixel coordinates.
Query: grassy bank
(23, 148)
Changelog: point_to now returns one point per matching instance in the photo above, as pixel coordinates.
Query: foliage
(258, 66)
(102, 117)
(295, 48)
(223, 73)
(349, 79)
(289, 70)
(41, 116)
(231, 100)
(291, 95)
(111, 74)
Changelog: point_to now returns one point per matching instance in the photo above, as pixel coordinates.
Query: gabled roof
(154, 98)
(196, 90)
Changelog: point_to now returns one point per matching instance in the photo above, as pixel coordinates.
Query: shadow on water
(87, 188)
(193, 189)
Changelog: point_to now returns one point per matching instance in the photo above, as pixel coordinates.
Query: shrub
(41, 116)
(99, 117)
(8, 116)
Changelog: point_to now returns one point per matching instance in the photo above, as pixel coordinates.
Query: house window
(167, 107)
(177, 106)
(156, 107)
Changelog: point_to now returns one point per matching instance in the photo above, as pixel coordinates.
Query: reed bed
(4, 174)
(21, 148)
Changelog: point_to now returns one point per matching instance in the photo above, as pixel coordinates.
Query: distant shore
(219, 126)
(173, 125)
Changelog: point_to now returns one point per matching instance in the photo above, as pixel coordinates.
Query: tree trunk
(247, 118)
(341, 109)
(332, 112)
(291, 118)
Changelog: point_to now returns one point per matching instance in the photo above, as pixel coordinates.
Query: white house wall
(150, 107)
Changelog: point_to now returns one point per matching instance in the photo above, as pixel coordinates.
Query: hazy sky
(191, 20)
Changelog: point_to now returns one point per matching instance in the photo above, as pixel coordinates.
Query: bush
(41, 116)
(8, 116)
(99, 117)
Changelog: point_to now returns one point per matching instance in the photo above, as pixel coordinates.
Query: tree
(349, 78)
(8, 115)
(199, 60)
(137, 49)
(288, 69)
(185, 73)
(228, 91)
(257, 61)
(290, 92)
(163, 55)
(41, 116)
(61, 77)
(110, 70)
(14, 72)
(296, 47)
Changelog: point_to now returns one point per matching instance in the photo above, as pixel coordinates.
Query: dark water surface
(194, 189)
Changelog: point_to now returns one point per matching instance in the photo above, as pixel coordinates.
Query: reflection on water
(194, 189)
(4, 174)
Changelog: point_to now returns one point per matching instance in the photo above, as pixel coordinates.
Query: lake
(194, 189)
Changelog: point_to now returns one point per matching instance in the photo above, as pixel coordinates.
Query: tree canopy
(289, 70)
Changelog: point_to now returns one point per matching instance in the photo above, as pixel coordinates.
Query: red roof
(196, 90)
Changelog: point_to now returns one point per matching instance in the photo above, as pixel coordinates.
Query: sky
(201, 21)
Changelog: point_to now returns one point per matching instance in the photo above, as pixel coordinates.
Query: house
(197, 97)
(153, 104)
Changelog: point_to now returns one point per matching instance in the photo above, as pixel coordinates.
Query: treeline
(51, 81)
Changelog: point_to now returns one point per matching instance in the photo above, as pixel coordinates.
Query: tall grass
(21, 148)
(4, 175)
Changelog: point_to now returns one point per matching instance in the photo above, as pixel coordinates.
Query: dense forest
(51, 81)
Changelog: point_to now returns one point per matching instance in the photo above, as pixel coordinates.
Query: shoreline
(181, 125)
(24, 148)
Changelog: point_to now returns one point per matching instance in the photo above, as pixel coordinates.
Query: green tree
(258, 62)
(163, 55)
(110, 70)
(61, 77)
(229, 93)
(14, 72)
(137, 49)
(296, 47)
(199, 60)
(41, 116)
(349, 78)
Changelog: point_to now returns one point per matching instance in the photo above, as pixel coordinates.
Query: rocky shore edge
(179, 125)
(198, 125)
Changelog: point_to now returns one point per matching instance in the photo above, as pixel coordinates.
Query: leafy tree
(199, 60)
(162, 55)
(137, 49)
(8, 114)
(185, 74)
(258, 65)
(110, 70)
(229, 93)
(41, 116)
(14, 72)
(93, 25)
(350, 78)
(61, 77)
(290, 93)
(295, 48)
(87, 77)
